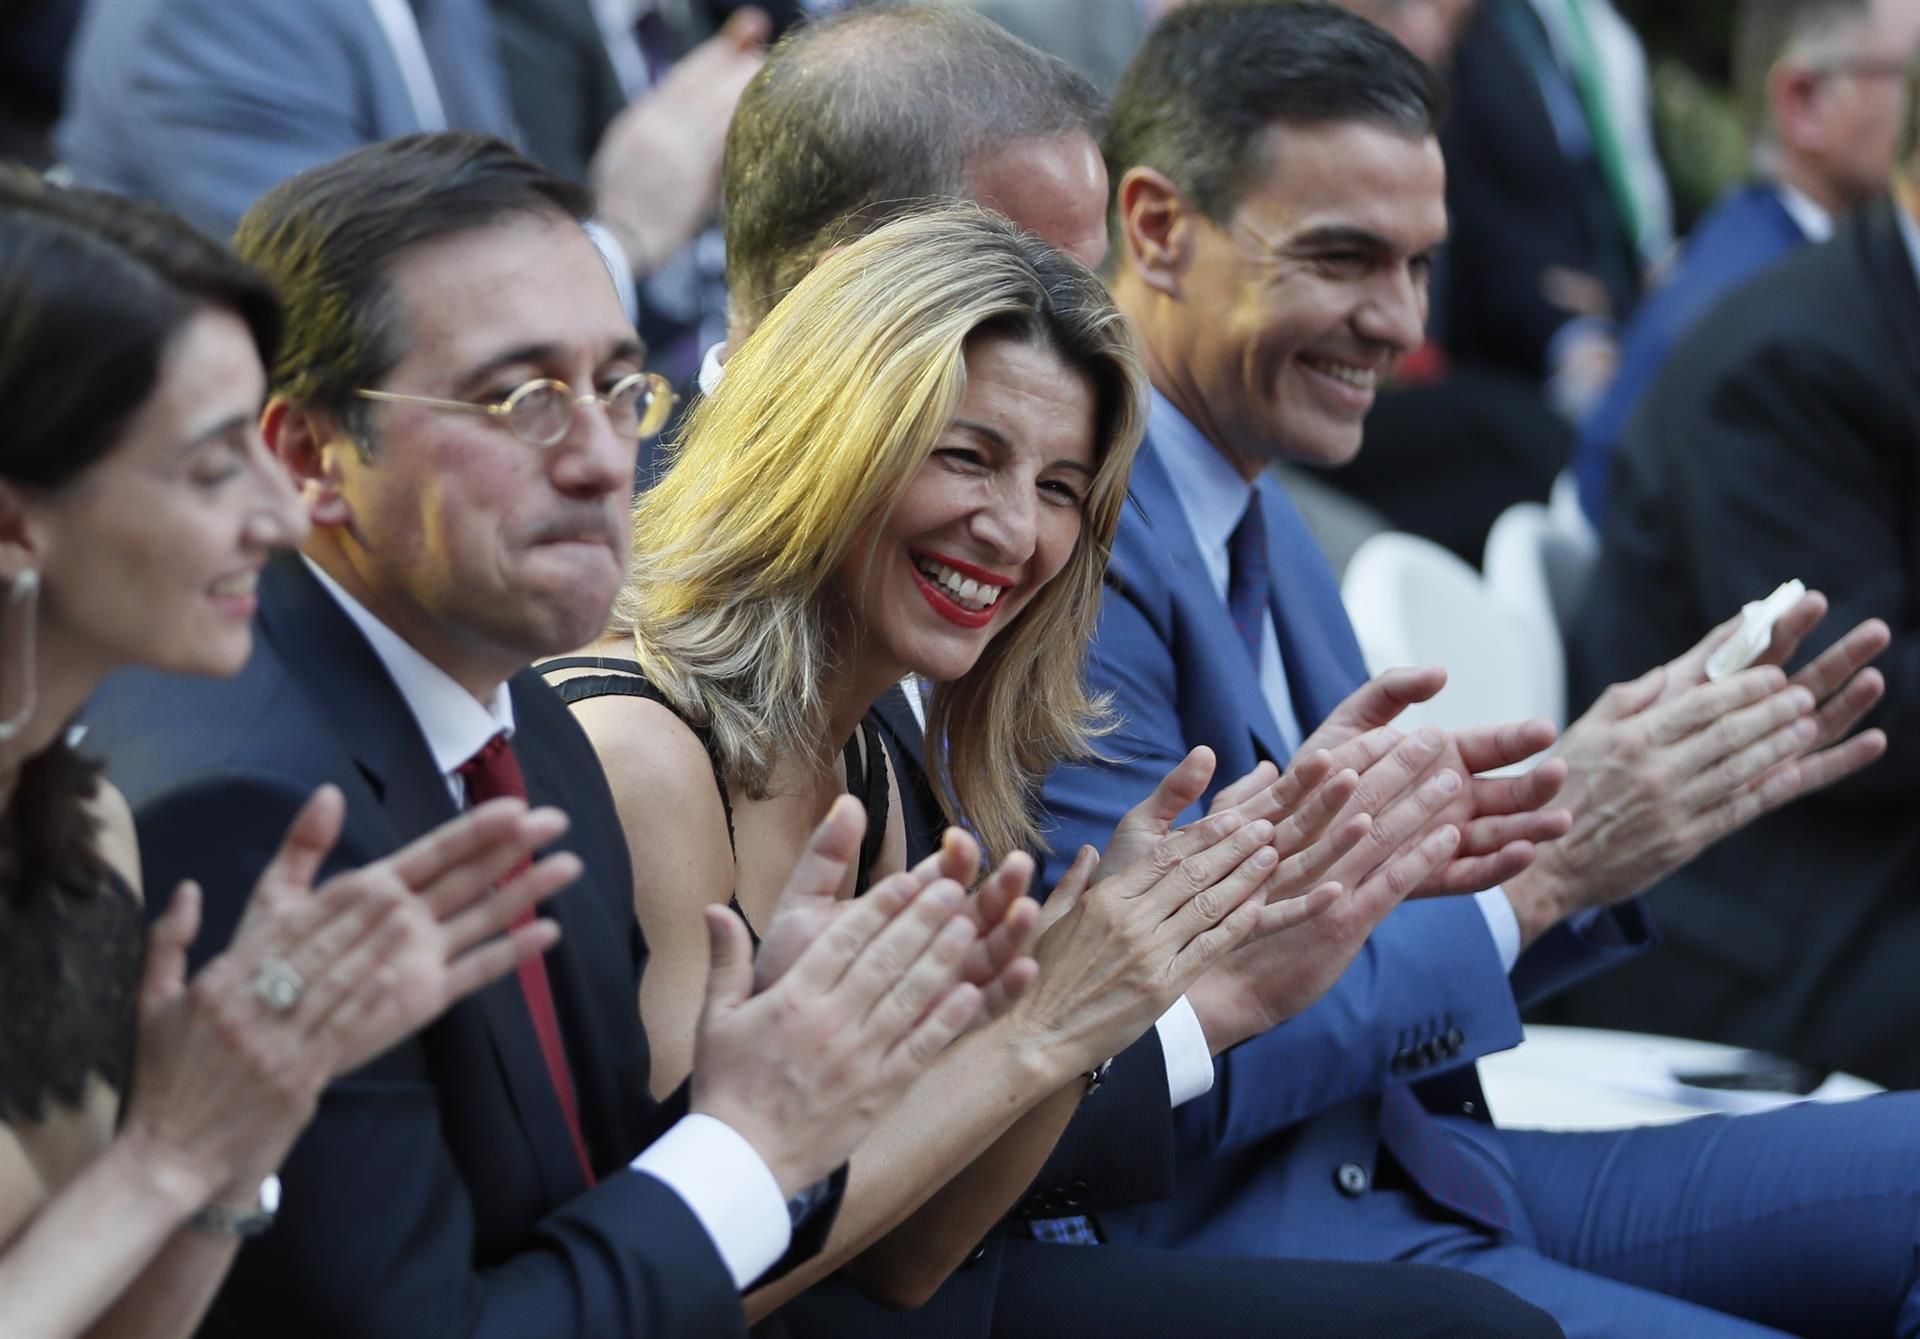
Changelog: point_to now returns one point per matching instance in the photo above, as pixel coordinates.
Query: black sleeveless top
(70, 967)
(867, 780)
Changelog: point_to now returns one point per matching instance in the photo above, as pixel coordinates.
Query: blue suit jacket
(1746, 232)
(436, 1193)
(1259, 1156)
(203, 105)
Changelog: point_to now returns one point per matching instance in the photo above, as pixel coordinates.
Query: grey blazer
(203, 105)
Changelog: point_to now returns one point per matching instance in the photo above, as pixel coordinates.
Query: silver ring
(277, 984)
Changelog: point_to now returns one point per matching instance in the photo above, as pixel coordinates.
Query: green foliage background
(1688, 42)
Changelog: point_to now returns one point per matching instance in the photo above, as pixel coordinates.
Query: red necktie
(492, 772)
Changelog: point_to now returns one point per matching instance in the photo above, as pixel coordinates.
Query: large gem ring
(277, 984)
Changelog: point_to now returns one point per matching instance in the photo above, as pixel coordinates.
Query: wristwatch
(223, 1220)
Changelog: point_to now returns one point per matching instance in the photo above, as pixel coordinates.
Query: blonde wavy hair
(825, 415)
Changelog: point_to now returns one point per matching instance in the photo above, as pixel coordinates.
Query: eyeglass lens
(543, 414)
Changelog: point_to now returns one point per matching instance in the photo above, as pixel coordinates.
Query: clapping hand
(318, 981)
(805, 1065)
(1668, 764)
(1501, 819)
(1004, 918)
(1844, 685)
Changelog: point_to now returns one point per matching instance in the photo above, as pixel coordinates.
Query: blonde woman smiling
(915, 466)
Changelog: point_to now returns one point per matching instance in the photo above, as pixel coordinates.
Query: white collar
(713, 367)
(1210, 490)
(456, 724)
(1808, 215)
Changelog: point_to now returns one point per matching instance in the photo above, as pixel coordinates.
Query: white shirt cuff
(706, 1163)
(619, 266)
(1189, 1059)
(1502, 924)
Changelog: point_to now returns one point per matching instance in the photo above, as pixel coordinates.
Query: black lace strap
(629, 679)
(869, 783)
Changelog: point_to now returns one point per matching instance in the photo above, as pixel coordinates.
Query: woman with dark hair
(141, 1113)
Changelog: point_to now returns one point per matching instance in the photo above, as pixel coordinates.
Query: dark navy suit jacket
(436, 1193)
(1264, 1158)
(1782, 440)
(1742, 235)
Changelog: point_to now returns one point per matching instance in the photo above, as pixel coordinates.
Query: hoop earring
(24, 591)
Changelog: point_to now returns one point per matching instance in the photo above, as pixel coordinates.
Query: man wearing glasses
(1822, 86)
(460, 397)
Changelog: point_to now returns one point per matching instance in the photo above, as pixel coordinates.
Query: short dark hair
(1766, 31)
(328, 239)
(860, 118)
(93, 288)
(1212, 76)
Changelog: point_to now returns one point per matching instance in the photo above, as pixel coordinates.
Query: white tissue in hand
(1755, 632)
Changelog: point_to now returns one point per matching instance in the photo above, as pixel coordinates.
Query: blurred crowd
(671, 667)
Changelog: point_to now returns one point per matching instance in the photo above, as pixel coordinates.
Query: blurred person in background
(1555, 200)
(1822, 87)
(34, 37)
(203, 105)
(143, 1113)
(1096, 37)
(1779, 441)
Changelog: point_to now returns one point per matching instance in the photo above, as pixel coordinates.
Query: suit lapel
(1317, 646)
(339, 670)
(325, 652)
(1890, 272)
(1214, 637)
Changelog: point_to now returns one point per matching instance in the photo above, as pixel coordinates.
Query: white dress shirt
(1812, 218)
(1213, 497)
(706, 1162)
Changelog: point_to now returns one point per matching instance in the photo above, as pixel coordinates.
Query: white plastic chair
(1531, 562)
(1414, 603)
(1569, 517)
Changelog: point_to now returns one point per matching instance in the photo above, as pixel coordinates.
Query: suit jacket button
(975, 1256)
(1352, 1179)
(1076, 1194)
(1455, 1040)
(1433, 1050)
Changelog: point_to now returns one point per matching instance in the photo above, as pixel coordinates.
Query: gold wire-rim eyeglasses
(646, 394)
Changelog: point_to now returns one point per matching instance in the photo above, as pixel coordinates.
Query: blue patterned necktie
(1249, 582)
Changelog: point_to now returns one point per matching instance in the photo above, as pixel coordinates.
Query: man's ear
(1157, 229)
(1793, 97)
(312, 447)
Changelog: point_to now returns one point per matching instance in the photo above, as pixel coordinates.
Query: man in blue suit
(1823, 83)
(1279, 196)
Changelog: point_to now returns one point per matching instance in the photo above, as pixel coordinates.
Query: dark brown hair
(328, 238)
(92, 289)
